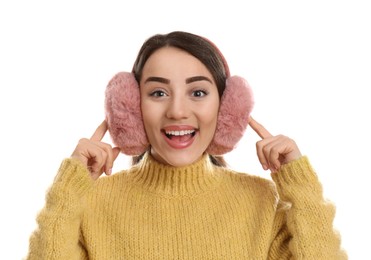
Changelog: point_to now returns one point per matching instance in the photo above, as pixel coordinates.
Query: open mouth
(179, 139)
(180, 135)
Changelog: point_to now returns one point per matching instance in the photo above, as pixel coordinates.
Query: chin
(177, 159)
(182, 161)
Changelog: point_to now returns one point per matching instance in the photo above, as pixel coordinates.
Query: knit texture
(201, 211)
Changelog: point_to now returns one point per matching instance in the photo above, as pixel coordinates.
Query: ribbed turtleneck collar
(189, 180)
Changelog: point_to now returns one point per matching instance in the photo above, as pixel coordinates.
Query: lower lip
(179, 145)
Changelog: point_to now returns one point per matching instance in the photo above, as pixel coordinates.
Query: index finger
(259, 129)
(100, 132)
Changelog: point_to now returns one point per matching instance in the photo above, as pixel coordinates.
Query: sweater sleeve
(58, 232)
(304, 227)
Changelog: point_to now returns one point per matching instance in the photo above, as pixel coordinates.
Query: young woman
(179, 200)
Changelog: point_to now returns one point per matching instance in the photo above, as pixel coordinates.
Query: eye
(199, 93)
(158, 93)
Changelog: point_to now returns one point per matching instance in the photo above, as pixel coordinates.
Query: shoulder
(249, 183)
(107, 188)
(252, 191)
(119, 176)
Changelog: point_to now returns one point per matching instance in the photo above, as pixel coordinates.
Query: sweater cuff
(297, 181)
(73, 177)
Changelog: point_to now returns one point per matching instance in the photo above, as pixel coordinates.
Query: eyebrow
(188, 80)
(197, 78)
(157, 79)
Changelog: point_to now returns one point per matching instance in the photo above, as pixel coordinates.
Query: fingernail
(109, 172)
(265, 167)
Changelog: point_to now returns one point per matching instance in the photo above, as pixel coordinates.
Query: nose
(178, 108)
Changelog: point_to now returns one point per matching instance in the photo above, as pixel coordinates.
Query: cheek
(152, 115)
(210, 114)
(148, 116)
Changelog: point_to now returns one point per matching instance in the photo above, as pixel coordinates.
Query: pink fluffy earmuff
(123, 114)
(125, 124)
(235, 107)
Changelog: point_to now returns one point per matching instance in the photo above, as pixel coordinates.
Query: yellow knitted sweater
(201, 211)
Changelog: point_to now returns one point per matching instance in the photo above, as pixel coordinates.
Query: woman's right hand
(96, 155)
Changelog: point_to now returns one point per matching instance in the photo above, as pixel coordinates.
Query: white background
(308, 63)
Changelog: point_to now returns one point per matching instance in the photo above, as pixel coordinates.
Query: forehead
(173, 59)
(169, 53)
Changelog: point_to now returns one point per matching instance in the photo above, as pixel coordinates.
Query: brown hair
(197, 46)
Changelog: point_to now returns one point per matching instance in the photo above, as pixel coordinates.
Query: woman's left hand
(274, 151)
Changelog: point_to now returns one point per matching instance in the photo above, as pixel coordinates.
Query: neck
(167, 180)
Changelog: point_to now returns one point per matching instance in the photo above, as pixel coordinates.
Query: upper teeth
(183, 132)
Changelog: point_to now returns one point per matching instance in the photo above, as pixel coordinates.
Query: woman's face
(180, 103)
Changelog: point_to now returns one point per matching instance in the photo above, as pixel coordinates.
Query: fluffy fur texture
(235, 107)
(123, 114)
(125, 124)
